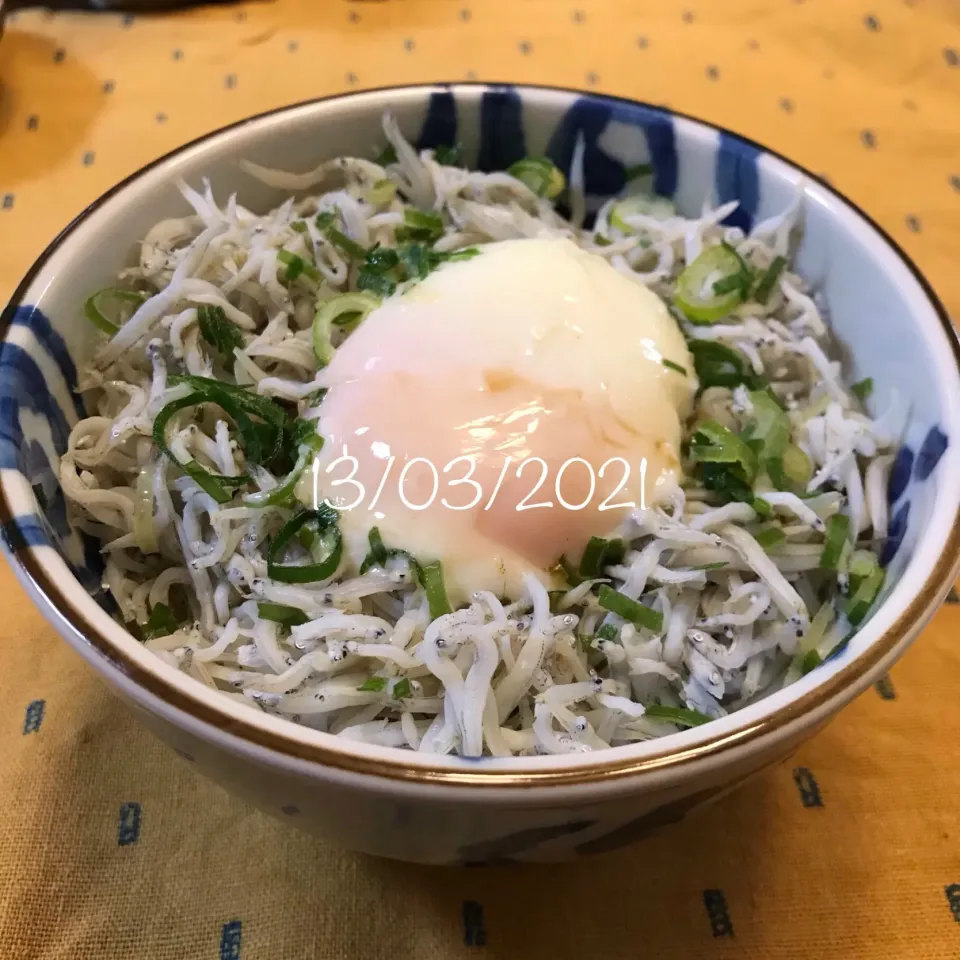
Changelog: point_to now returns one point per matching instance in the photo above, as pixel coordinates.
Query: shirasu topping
(205, 399)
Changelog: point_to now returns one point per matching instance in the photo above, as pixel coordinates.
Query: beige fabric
(866, 874)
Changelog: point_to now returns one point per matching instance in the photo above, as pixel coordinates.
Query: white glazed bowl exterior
(448, 809)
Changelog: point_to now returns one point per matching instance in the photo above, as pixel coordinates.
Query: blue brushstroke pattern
(230, 939)
(931, 450)
(33, 717)
(898, 530)
(738, 178)
(604, 175)
(38, 323)
(128, 832)
(502, 140)
(440, 125)
(899, 474)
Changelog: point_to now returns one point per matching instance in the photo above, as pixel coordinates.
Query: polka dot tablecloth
(112, 847)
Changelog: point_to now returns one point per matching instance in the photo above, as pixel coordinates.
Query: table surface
(111, 846)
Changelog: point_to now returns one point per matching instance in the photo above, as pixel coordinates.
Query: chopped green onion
(771, 537)
(720, 366)
(300, 226)
(325, 220)
(214, 484)
(376, 283)
(670, 365)
(420, 227)
(387, 155)
(600, 553)
(540, 175)
(703, 307)
(864, 596)
(791, 471)
(93, 309)
(381, 259)
(373, 685)
(608, 632)
(555, 596)
(378, 552)
(431, 579)
(768, 280)
(718, 565)
(262, 441)
(838, 536)
(282, 614)
(383, 191)
(643, 205)
(862, 389)
(160, 623)
(714, 443)
(728, 284)
(638, 171)
(770, 425)
(679, 715)
(401, 689)
(623, 606)
(345, 244)
(325, 549)
(862, 564)
(448, 155)
(284, 492)
(811, 660)
(219, 332)
(296, 266)
(346, 309)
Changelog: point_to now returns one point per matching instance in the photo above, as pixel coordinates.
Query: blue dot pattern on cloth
(809, 788)
(128, 832)
(718, 913)
(474, 929)
(33, 717)
(230, 939)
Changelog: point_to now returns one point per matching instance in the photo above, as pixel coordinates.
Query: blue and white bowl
(448, 809)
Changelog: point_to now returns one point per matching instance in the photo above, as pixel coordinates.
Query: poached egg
(501, 412)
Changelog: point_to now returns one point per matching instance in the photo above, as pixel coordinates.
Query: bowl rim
(43, 585)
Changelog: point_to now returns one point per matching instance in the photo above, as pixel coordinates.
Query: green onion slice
(679, 715)
(93, 309)
(597, 554)
(296, 265)
(629, 609)
(864, 596)
(771, 537)
(697, 294)
(420, 227)
(670, 365)
(219, 332)
(284, 492)
(346, 309)
(281, 613)
(382, 192)
(401, 689)
(838, 536)
(609, 632)
(769, 279)
(862, 389)
(720, 366)
(791, 471)
(640, 204)
(540, 175)
(714, 443)
(770, 426)
(811, 660)
(214, 484)
(325, 548)
(373, 685)
(160, 623)
(431, 579)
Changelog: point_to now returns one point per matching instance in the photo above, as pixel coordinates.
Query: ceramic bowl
(446, 809)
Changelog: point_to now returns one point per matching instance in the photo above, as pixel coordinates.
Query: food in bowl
(324, 439)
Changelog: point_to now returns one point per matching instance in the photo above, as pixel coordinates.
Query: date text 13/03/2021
(419, 483)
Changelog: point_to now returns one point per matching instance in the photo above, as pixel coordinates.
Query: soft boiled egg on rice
(531, 349)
